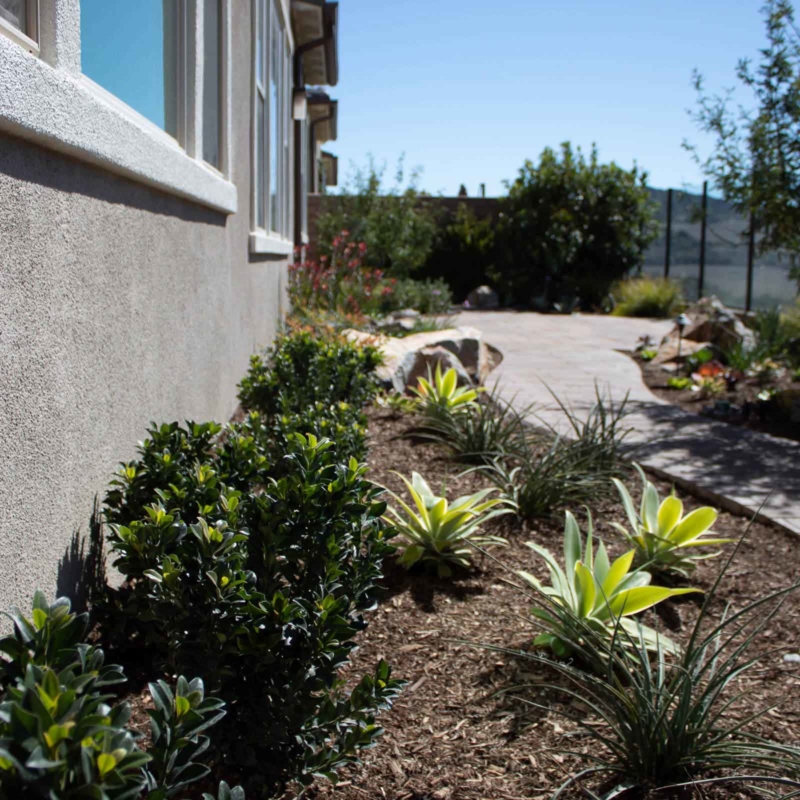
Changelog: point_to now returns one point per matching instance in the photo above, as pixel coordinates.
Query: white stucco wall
(119, 304)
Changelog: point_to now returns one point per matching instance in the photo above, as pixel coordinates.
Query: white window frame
(46, 99)
(30, 40)
(264, 240)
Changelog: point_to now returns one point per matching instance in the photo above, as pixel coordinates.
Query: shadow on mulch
(424, 588)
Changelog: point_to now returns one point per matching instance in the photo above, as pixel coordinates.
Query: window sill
(270, 244)
(73, 115)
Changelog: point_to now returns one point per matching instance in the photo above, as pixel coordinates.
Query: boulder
(715, 323)
(668, 351)
(392, 325)
(477, 357)
(484, 297)
(421, 363)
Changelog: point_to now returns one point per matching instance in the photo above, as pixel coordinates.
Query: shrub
(166, 462)
(265, 590)
(338, 282)
(441, 533)
(662, 537)
(341, 423)
(667, 720)
(463, 252)
(395, 223)
(644, 296)
(303, 369)
(569, 227)
(440, 396)
(59, 737)
(491, 429)
(592, 592)
(427, 297)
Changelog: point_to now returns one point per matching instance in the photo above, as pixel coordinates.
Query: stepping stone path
(734, 467)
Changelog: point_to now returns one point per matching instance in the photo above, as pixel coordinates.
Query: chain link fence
(719, 261)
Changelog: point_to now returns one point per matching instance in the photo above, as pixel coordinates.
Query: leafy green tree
(569, 227)
(394, 221)
(755, 160)
(463, 252)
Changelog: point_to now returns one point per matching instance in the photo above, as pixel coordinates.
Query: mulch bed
(459, 730)
(754, 414)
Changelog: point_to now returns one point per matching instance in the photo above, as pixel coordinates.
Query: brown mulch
(744, 394)
(460, 729)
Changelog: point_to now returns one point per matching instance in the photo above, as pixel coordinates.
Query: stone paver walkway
(570, 353)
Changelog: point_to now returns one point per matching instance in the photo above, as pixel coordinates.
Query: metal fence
(711, 249)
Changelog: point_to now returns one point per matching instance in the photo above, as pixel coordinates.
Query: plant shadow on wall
(81, 575)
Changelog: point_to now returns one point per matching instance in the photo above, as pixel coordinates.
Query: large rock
(668, 351)
(484, 297)
(422, 363)
(477, 357)
(715, 323)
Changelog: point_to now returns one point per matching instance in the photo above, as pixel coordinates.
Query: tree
(395, 222)
(755, 161)
(569, 228)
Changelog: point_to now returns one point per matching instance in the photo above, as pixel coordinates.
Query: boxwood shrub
(303, 369)
(63, 733)
(261, 577)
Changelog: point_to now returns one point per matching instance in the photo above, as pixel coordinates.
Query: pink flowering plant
(339, 282)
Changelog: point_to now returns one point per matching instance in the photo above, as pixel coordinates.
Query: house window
(133, 50)
(273, 120)
(212, 82)
(19, 20)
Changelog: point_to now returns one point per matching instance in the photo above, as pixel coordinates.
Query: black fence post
(751, 246)
(703, 221)
(669, 233)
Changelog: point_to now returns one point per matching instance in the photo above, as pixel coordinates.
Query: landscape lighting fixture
(681, 321)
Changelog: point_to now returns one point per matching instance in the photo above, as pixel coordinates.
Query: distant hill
(726, 237)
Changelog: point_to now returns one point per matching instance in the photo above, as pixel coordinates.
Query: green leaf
(694, 525)
(631, 601)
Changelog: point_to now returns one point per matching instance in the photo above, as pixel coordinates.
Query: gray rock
(792, 658)
(716, 324)
(476, 356)
(422, 363)
(406, 313)
(484, 297)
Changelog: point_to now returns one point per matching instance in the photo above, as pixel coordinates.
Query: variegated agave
(443, 533)
(592, 590)
(440, 395)
(662, 537)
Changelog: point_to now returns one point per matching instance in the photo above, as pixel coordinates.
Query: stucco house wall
(119, 304)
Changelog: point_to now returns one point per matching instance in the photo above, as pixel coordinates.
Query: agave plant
(662, 537)
(493, 429)
(442, 533)
(664, 719)
(591, 591)
(441, 396)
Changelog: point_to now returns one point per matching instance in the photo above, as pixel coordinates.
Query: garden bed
(738, 404)
(460, 730)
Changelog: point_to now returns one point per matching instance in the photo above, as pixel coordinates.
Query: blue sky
(468, 89)
(121, 50)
